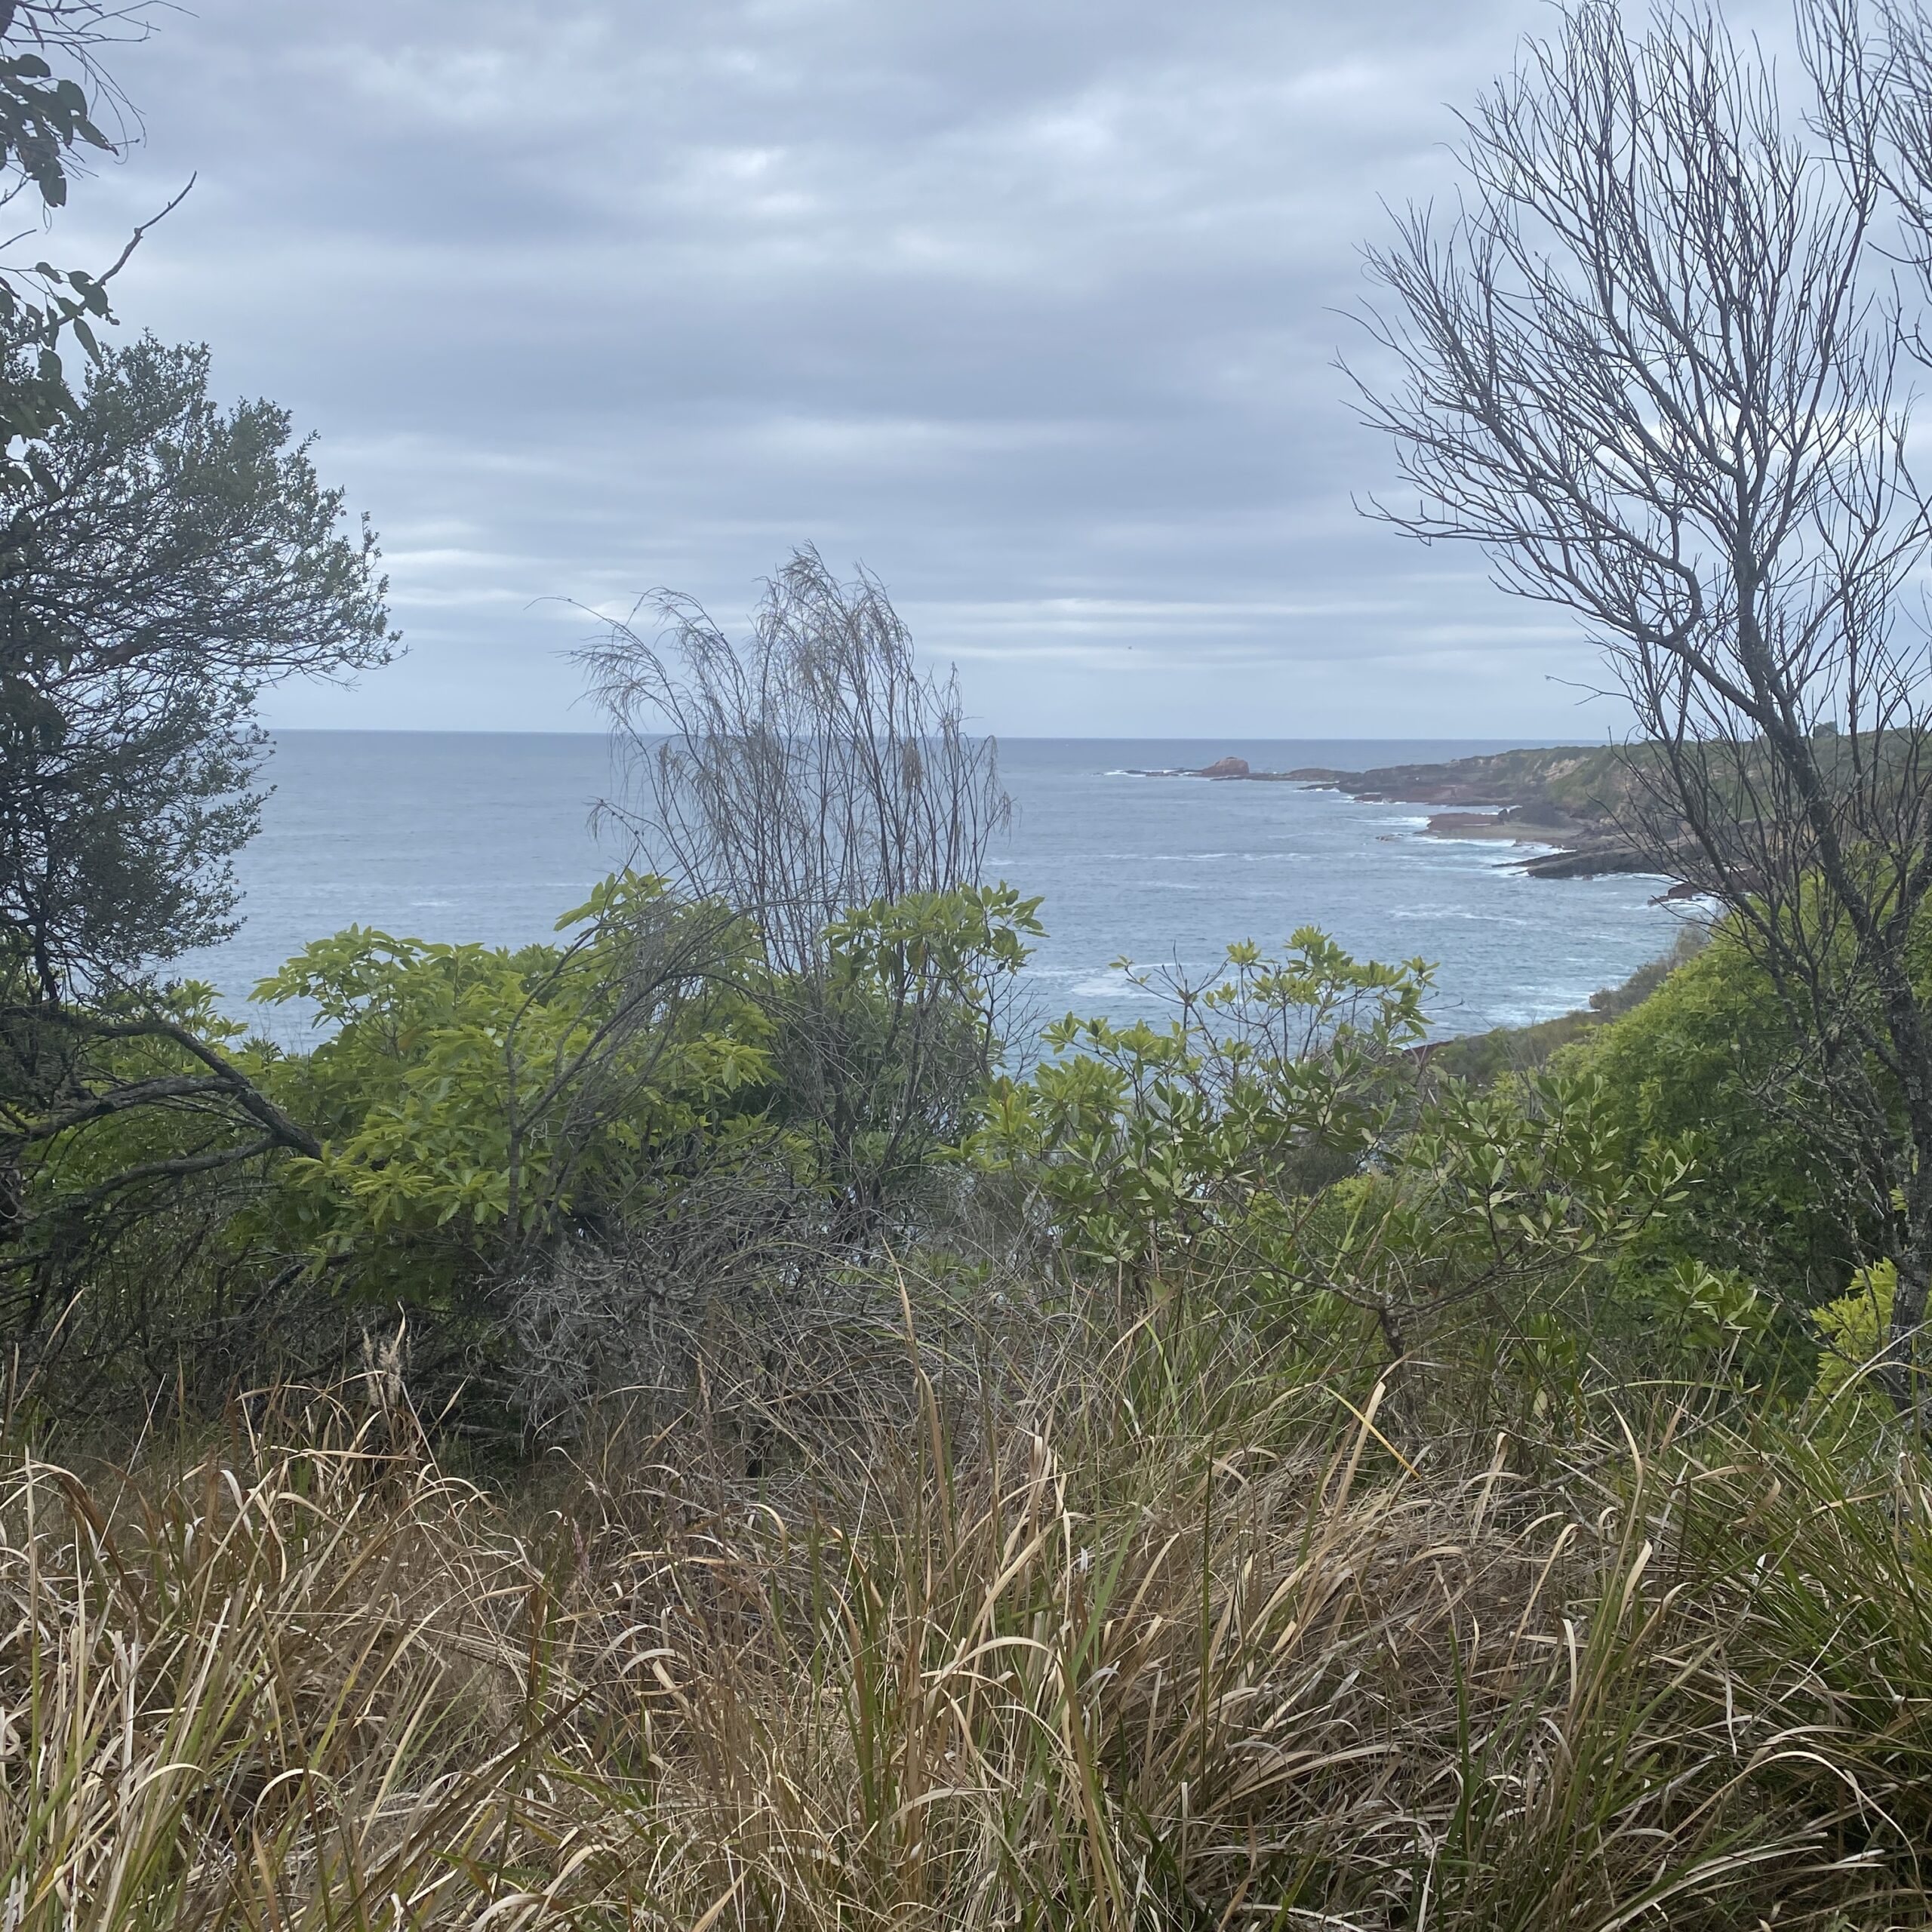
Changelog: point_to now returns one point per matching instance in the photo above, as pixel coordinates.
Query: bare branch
(1649, 366)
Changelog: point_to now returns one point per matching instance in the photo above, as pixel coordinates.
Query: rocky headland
(1572, 798)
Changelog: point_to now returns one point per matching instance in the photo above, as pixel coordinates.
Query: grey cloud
(1029, 306)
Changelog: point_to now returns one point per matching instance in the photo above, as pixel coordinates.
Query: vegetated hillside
(1559, 785)
(1577, 799)
(1600, 806)
(1574, 797)
(1229, 1464)
(1483, 1058)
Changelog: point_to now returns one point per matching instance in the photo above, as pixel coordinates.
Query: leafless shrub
(1647, 367)
(611, 1318)
(808, 770)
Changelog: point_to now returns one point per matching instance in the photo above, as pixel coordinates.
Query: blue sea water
(457, 835)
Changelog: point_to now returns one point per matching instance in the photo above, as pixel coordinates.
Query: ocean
(458, 836)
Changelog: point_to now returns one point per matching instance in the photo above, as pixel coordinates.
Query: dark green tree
(171, 560)
(162, 562)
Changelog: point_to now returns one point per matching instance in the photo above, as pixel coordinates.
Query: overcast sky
(1029, 305)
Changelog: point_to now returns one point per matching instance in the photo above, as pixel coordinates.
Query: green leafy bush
(1706, 1063)
(1273, 1145)
(470, 1100)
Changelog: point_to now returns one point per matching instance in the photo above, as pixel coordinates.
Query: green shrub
(1273, 1145)
(470, 1100)
(1705, 1063)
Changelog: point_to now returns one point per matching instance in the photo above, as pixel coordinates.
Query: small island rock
(1224, 767)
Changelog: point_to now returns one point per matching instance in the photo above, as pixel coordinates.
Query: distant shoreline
(1562, 796)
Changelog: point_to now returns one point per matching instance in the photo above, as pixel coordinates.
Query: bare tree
(808, 769)
(1873, 72)
(1647, 365)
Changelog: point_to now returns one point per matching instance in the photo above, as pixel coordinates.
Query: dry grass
(1156, 1643)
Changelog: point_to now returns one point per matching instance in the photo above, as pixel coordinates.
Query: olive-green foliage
(48, 1063)
(1853, 1329)
(114, 1246)
(882, 1061)
(1276, 1144)
(620, 1089)
(472, 1101)
(469, 1097)
(1273, 1143)
(172, 561)
(1701, 1064)
(1151, 1144)
(1481, 1058)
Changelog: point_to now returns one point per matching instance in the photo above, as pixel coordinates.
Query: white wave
(1113, 985)
(1431, 914)
(1519, 849)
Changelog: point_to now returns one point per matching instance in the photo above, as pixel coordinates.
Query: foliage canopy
(171, 560)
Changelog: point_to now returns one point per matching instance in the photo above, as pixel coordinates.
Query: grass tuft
(1125, 1644)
